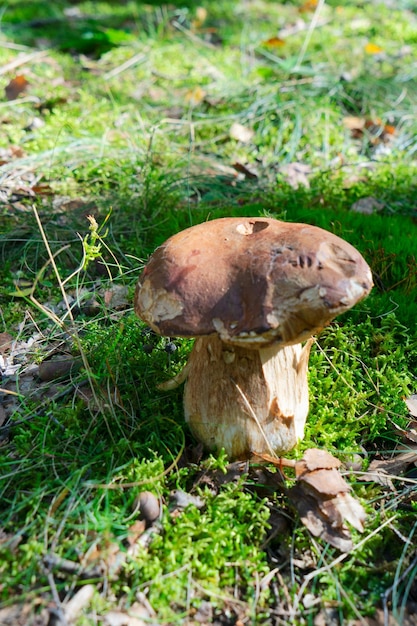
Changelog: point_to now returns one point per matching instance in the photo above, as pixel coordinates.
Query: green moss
(133, 105)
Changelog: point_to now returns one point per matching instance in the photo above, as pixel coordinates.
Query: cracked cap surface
(254, 281)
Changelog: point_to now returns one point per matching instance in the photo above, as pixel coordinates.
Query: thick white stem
(244, 400)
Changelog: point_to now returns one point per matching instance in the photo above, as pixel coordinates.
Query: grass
(127, 117)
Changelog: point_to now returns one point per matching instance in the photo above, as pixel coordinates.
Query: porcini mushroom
(252, 291)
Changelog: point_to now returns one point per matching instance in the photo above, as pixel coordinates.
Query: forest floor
(123, 123)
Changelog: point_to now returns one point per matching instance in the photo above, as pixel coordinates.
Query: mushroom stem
(247, 400)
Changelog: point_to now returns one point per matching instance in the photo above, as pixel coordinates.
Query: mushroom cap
(254, 281)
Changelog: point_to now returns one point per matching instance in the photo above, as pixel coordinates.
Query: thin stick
(22, 60)
(135, 60)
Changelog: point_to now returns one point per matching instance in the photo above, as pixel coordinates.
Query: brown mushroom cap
(254, 281)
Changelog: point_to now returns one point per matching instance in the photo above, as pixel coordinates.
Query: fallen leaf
(375, 128)
(316, 522)
(323, 501)
(382, 471)
(411, 403)
(372, 48)
(367, 206)
(16, 87)
(309, 5)
(241, 133)
(324, 481)
(135, 531)
(195, 96)
(59, 367)
(116, 297)
(318, 459)
(274, 42)
(296, 174)
(246, 170)
(42, 189)
(6, 342)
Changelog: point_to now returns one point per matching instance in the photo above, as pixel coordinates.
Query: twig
(22, 60)
(135, 60)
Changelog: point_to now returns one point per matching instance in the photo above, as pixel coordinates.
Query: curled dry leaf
(382, 471)
(323, 501)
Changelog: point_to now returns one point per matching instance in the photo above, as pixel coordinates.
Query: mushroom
(253, 291)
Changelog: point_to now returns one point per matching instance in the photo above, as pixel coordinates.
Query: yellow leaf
(274, 42)
(309, 5)
(372, 48)
(195, 96)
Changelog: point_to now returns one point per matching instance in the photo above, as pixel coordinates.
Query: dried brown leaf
(247, 170)
(6, 341)
(116, 297)
(135, 531)
(381, 471)
(344, 508)
(61, 366)
(326, 482)
(16, 87)
(320, 459)
(323, 501)
(316, 522)
(411, 403)
(308, 5)
(375, 128)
